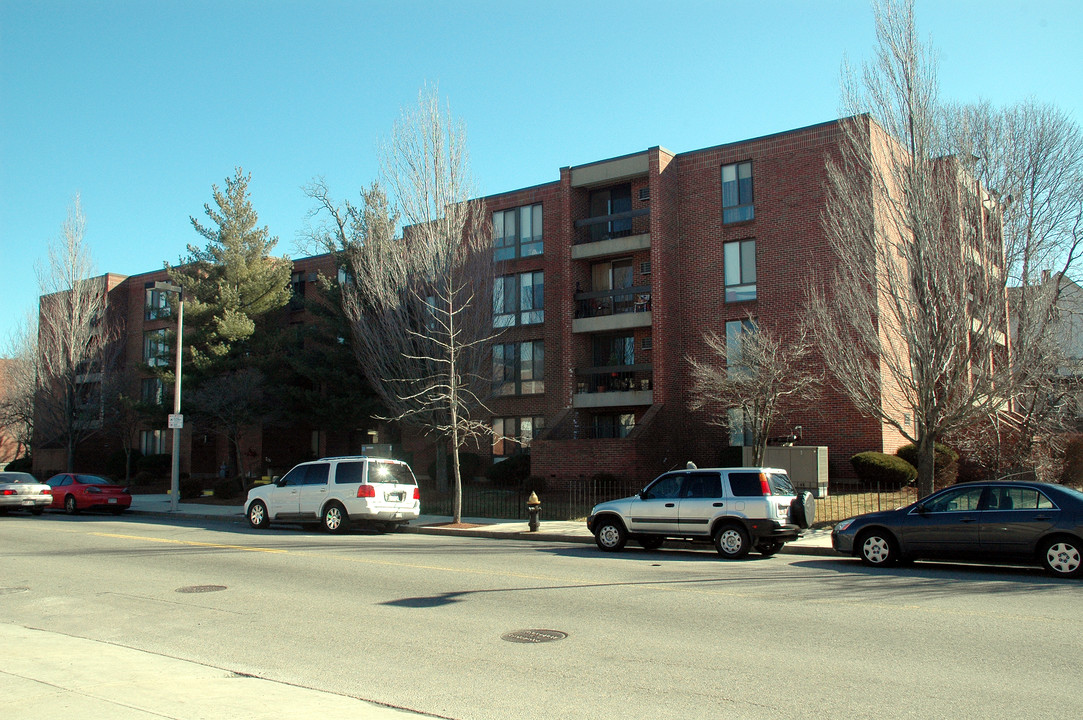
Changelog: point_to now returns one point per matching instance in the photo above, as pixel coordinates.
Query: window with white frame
(517, 232)
(740, 270)
(156, 348)
(519, 368)
(513, 435)
(157, 304)
(735, 335)
(152, 442)
(519, 299)
(737, 193)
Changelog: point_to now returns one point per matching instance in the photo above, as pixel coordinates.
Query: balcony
(614, 386)
(621, 232)
(603, 310)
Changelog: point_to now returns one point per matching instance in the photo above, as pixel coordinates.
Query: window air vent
(647, 343)
(644, 194)
(645, 268)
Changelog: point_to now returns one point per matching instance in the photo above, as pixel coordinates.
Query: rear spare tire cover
(803, 509)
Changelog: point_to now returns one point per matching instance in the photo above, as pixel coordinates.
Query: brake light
(8, 492)
(95, 490)
(47, 491)
(765, 486)
(417, 493)
(364, 491)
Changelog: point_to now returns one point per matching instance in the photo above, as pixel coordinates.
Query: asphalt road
(416, 622)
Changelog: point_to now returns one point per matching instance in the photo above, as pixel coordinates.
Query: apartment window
(519, 299)
(152, 391)
(740, 428)
(517, 232)
(519, 368)
(297, 291)
(513, 435)
(155, 348)
(152, 442)
(740, 270)
(735, 333)
(613, 425)
(611, 201)
(614, 350)
(157, 304)
(737, 193)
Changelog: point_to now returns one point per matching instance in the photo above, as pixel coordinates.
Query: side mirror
(279, 482)
(920, 509)
(644, 495)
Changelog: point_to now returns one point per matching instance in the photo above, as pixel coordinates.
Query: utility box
(806, 465)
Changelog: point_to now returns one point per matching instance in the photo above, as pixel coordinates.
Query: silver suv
(336, 491)
(739, 509)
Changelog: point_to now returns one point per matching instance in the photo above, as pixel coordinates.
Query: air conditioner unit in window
(644, 194)
(645, 268)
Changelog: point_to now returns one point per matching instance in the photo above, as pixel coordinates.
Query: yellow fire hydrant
(533, 507)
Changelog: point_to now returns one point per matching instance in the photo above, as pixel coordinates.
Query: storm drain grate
(533, 636)
(201, 588)
(13, 590)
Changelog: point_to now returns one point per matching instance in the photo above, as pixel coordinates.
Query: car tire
(650, 542)
(70, 506)
(877, 548)
(1062, 557)
(803, 509)
(37, 510)
(610, 535)
(257, 515)
(116, 511)
(767, 549)
(334, 519)
(731, 541)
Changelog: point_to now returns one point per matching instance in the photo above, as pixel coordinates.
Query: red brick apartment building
(607, 280)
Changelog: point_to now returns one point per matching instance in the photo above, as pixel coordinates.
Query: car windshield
(92, 480)
(386, 472)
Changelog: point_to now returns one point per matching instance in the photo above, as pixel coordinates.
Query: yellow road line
(190, 542)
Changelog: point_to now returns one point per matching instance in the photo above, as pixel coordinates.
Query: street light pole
(176, 421)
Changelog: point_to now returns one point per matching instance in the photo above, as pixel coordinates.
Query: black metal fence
(575, 503)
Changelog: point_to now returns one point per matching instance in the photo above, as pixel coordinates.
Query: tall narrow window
(735, 335)
(157, 304)
(740, 270)
(155, 348)
(518, 232)
(611, 201)
(737, 193)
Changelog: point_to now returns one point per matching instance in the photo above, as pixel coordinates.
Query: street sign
(176, 421)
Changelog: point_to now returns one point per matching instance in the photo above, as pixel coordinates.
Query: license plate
(112, 500)
(28, 502)
(395, 497)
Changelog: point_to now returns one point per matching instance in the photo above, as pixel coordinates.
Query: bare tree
(913, 320)
(752, 380)
(420, 304)
(19, 385)
(1032, 154)
(74, 339)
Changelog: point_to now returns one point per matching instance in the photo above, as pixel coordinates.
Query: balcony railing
(614, 378)
(605, 227)
(600, 303)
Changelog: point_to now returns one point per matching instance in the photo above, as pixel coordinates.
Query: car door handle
(968, 519)
(670, 504)
(718, 504)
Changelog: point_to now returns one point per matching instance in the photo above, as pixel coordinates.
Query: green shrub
(155, 464)
(877, 468)
(947, 462)
(512, 471)
(227, 488)
(191, 489)
(469, 464)
(23, 464)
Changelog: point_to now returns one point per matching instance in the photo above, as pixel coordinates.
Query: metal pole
(174, 480)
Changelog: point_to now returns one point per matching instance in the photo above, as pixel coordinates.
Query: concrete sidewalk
(813, 542)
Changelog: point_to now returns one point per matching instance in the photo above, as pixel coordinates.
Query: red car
(74, 492)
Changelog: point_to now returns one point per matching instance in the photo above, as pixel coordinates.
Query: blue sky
(140, 106)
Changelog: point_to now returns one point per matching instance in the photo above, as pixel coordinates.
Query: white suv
(336, 491)
(738, 508)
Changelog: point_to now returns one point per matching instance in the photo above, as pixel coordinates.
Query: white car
(739, 509)
(22, 491)
(337, 491)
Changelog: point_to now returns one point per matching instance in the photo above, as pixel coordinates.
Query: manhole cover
(533, 636)
(13, 590)
(201, 588)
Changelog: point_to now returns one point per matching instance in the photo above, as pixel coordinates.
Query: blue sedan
(1012, 522)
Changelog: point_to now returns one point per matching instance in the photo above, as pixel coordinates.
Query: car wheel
(767, 549)
(650, 542)
(878, 549)
(257, 515)
(610, 535)
(69, 505)
(38, 510)
(1061, 557)
(731, 542)
(334, 518)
